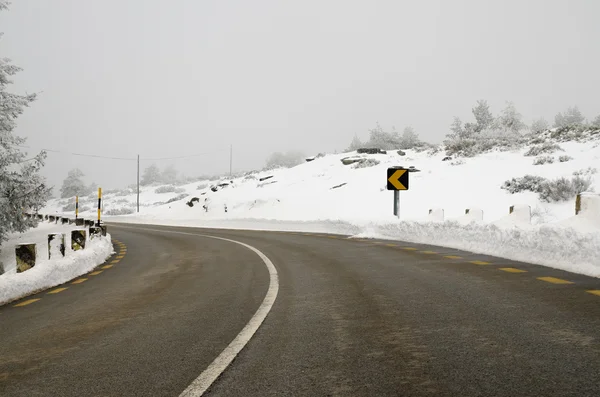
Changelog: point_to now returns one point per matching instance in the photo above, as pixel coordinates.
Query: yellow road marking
(594, 291)
(115, 261)
(554, 280)
(27, 302)
(56, 291)
(122, 252)
(391, 245)
(97, 272)
(332, 236)
(79, 281)
(480, 263)
(106, 267)
(409, 248)
(513, 270)
(453, 257)
(428, 252)
(307, 234)
(119, 256)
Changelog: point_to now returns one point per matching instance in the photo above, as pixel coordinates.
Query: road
(351, 318)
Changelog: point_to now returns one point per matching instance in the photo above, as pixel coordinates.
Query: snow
(48, 273)
(309, 198)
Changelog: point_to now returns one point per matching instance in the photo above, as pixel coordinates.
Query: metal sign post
(397, 179)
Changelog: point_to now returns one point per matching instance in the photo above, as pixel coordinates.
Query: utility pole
(138, 183)
(230, 159)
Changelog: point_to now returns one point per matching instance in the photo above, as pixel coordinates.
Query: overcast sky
(183, 77)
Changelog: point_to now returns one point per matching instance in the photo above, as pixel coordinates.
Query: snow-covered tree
(287, 160)
(483, 116)
(22, 188)
(596, 122)
(169, 175)
(73, 185)
(355, 144)
(409, 139)
(378, 138)
(571, 116)
(510, 120)
(456, 129)
(539, 125)
(151, 175)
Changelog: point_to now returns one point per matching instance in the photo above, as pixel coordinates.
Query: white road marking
(220, 364)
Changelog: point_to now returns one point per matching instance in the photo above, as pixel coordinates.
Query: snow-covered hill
(326, 195)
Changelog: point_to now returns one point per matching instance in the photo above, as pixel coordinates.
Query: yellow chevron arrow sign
(397, 179)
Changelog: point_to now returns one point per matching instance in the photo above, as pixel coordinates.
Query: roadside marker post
(397, 179)
(76, 207)
(99, 204)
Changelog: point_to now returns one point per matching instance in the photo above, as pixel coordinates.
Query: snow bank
(520, 216)
(48, 273)
(562, 248)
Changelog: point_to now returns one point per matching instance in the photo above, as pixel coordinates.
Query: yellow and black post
(99, 204)
(76, 207)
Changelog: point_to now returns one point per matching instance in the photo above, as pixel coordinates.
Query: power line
(126, 158)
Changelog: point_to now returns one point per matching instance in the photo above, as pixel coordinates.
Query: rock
(351, 160)
(447, 158)
(196, 199)
(264, 178)
(214, 188)
(401, 152)
(337, 186)
(309, 159)
(370, 151)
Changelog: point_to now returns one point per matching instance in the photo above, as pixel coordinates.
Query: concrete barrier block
(587, 204)
(56, 245)
(436, 214)
(78, 238)
(25, 255)
(79, 221)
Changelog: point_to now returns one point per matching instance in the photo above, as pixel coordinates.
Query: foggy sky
(162, 79)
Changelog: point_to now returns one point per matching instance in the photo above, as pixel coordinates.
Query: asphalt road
(351, 318)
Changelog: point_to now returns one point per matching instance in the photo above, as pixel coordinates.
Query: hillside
(326, 195)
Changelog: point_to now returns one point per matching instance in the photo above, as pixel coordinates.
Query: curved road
(351, 318)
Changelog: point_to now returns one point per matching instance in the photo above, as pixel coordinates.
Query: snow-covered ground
(48, 273)
(325, 195)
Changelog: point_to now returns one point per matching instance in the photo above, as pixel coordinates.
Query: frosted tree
(151, 175)
(510, 120)
(73, 184)
(571, 116)
(539, 125)
(456, 129)
(596, 122)
(483, 116)
(169, 175)
(286, 160)
(355, 144)
(409, 139)
(378, 138)
(22, 188)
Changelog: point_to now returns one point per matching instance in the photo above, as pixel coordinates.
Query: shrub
(1, 268)
(563, 189)
(169, 189)
(458, 162)
(532, 183)
(546, 147)
(177, 198)
(120, 211)
(543, 160)
(584, 172)
(69, 207)
(202, 186)
(367, 163)
(565, 158)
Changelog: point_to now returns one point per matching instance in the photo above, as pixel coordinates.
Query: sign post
(99, 204)
(76, 207)
(397, 179)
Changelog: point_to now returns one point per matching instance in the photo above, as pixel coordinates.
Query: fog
(190, 78)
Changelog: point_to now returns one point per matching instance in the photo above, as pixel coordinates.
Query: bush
(531, 183)
(563, 189)
(584, 172)
(565, 158)
(120, 211)
(177, 198)
(367, 163)
(546, 147)
(69, 207)
(543, 160)
(202, 186)
(169, 189)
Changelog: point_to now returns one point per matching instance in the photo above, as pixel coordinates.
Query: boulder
(352, 160)
(264, 178)
(370, 151)
(401, 152)
(447, 158)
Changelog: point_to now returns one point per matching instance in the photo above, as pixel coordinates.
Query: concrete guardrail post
(78, 239)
